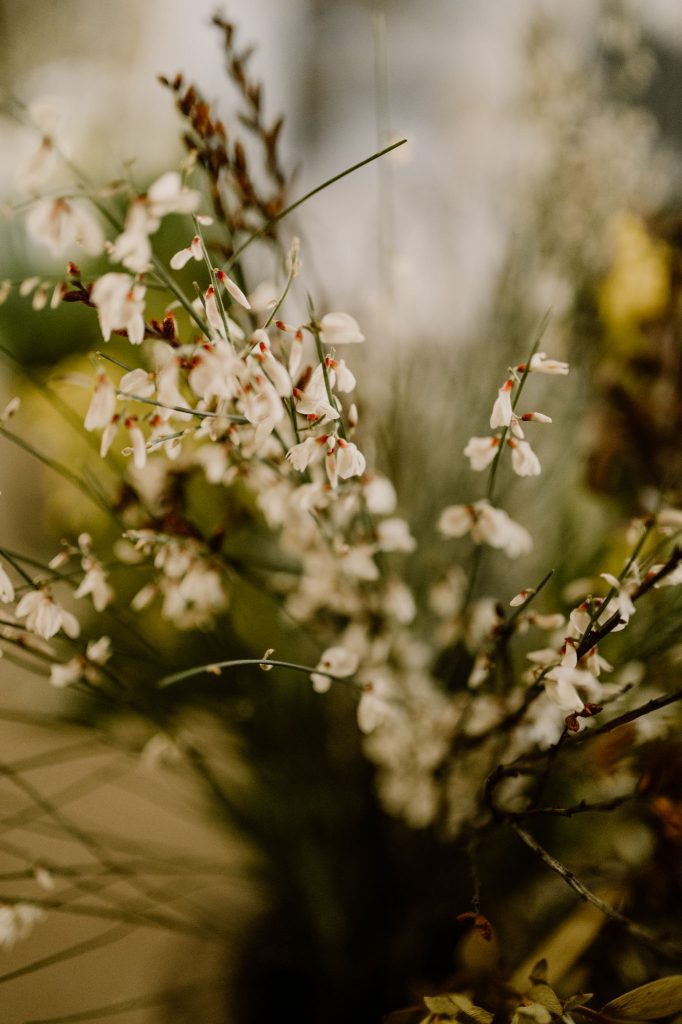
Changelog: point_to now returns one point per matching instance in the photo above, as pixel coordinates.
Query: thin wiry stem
(267, 227)
(523, 765)
(582, 807)
(200, 413)
(492, 476)
(275, 309)
(264, 663)
(79, 835)
(105, 938)
(136, 1002)
(671, 950)
(148, 919)
(59, 468)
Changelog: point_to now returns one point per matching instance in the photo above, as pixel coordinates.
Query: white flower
(487, 525)
(549, 621)
(66, 673)
(16, 921)
(502, 409)
(340, 329)
(379, 494)
(560, 686)
(580, 617)
(376, 704)
(213, 313)
(515, 427)
(314, 402)
(349, 459)
(262, 406)
(301, 455)
(10, 409)
(394, 535)
(272, 366)
(144, 597)
(27, 286)
(524, 460)
(358, 562)
(622, 601)
(139, 444)
(295, 353)
(214, 372)
(44, 878)
(264, 296)
(540, 364)
(6, 587)
(159, 750)
(456, 520)
(60, 224)
(99, 651)
(481, 451)
(108, 435)
(34, 170)
(233, 289)
(536, 417)
(340, 376)
(399, 602)
(672, 579)
(167, 377)
(102, 404)
(669, 519)
(330, 462)
(44, 616)
(544, 657)
(132, 248)
(480, 670)
(120, 306)
(338, 662)
(194, 251)
(137, 382)
(168, 195)
(95, 583)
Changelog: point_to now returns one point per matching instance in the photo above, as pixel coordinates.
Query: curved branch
(666, 948)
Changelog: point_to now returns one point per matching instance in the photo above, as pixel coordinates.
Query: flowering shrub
(241, 502)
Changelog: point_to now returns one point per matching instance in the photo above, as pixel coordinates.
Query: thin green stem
(315, 331)
(299, 202)
(59, 468)
(136, 1002)
(201, 414)
(276, 307)
(17, 568)
(264, 663)
(214, 281)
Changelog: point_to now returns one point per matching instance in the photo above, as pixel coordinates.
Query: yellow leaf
(648, 1002)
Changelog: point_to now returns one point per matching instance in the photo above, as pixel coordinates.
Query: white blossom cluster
(223, 390)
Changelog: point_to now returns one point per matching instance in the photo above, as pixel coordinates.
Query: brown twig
(593, 636)
(581, 807)
(671, 950)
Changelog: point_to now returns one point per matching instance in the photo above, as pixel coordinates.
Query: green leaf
(648, 1002)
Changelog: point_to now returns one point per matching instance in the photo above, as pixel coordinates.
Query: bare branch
(670, 950)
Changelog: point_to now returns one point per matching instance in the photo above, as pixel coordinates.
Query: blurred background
(535, 130)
